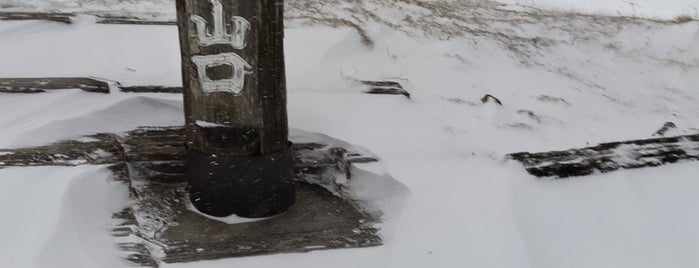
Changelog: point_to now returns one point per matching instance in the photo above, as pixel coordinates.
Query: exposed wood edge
(151, 89)
(66, 18)
(41, 84)
(385, 88)
(133, 21)
(608, 157)
(22, 90)
(31, 85)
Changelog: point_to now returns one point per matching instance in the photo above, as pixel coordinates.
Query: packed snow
(565, 81)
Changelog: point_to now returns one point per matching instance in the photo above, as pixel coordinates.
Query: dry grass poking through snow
(520, 28)
(683, 19)
(523, 30)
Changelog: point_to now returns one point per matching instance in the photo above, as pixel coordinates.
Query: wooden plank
(100, 149)
(151, 89)
(109, 19)
(66, 18)
(608, 157)
(385, 88)
(41, 84)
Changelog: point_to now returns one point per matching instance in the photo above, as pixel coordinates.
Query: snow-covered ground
(659, 9)
(662, 9)
(565, 80)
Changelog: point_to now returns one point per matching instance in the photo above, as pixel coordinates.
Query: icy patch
(6, 153)
(628, 154)
(86, 139)
(101, 154)
(205, 124)
(233, 219)
(64, 159)
(689, 146)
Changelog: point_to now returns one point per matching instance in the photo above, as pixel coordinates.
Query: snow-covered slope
(565, 80)
(635, 8)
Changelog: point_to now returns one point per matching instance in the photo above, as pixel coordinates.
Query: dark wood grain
(41, 84)
(261, 106)
(608, 157)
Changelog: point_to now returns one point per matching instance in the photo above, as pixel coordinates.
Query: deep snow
(468, 207)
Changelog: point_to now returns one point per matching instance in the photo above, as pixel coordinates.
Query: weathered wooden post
(238, 160)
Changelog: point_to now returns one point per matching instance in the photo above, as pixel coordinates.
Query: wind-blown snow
(660, 9)
(564, 81)
(59, 217)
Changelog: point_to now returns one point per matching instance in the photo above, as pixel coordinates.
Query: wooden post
(239, 158)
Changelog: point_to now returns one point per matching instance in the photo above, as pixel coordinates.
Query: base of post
(251, 187)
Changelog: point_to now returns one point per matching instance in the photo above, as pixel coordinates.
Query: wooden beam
(608, 157)
(41, 84)
(235, 106)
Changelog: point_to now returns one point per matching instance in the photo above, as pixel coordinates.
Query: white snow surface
(658, 9)
(468, 206)
(233, 219)
(59, 217)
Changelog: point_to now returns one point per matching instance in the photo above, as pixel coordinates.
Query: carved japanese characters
(235, 84)
(219, 35)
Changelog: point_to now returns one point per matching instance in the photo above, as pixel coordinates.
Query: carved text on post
(219, 35)
(236, 82)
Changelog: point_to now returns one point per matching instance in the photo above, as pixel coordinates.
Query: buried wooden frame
(160, 226)
(608, 157)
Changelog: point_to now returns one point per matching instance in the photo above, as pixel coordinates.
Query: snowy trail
(591, 83)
